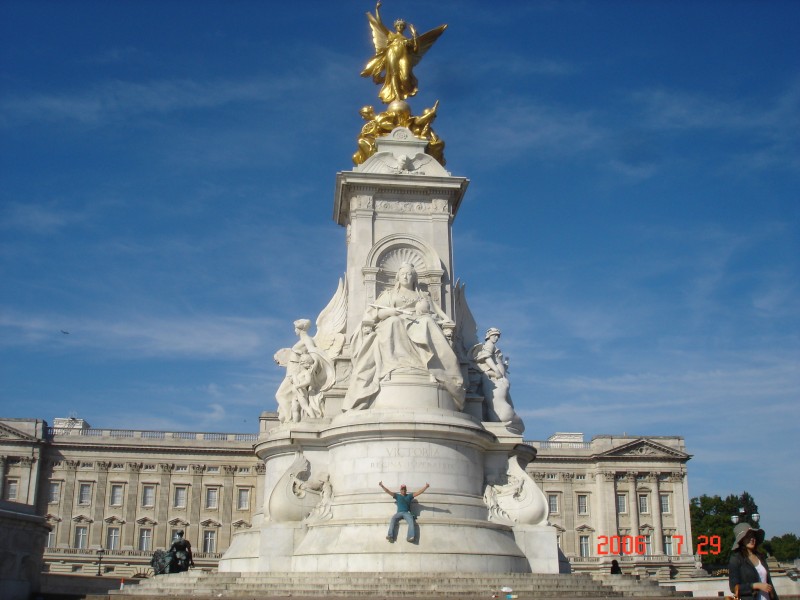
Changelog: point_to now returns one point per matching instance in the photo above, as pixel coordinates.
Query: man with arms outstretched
(403, 500)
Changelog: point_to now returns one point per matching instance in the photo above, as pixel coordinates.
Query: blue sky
(631, 224)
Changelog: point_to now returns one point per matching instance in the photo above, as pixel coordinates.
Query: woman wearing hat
(747, 569)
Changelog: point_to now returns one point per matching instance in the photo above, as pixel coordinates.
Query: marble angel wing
(332, 321)
(466, 327)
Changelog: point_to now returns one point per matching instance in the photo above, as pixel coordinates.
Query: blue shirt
(404, 502)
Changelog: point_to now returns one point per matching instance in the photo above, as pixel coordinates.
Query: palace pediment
(10, 434)
(644, 448)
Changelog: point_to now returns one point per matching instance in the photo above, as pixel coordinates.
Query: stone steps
(262, 586)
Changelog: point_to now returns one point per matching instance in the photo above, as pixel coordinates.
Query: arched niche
(389, 253)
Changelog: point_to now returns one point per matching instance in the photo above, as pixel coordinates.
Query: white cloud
(195, 337)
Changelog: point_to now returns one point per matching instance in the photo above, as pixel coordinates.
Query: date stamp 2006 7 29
(629, 545)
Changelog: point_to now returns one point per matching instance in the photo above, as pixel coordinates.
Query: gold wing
(424, 43)
(379, 40)
(379, 31)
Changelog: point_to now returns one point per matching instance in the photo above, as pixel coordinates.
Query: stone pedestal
(356, 450)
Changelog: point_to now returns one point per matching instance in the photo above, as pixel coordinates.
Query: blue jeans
(409, 521)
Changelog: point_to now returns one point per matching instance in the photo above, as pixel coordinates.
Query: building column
(67, 503)
(162, 508)
(3, 463)
(131, 502)
(26, 481)
(226, 514)
(99, 504)
(597, 514)
(681, 495)
(569, 542)
(631, 477)
(196, 504)
(258, 506)
(658, 543)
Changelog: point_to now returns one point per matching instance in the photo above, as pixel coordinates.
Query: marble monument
(393, 383)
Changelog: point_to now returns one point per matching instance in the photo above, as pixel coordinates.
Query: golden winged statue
(396, 55)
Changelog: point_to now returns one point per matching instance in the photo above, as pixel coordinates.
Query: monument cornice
(349, 183)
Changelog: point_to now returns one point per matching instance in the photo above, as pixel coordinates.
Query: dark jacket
(742, 572)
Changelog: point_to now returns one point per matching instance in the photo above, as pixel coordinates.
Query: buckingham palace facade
(113, 496)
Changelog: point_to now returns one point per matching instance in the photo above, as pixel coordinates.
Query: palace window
(145, 539)
(648, 544)
(181, 469)
(643, 504)
(668, 545)
(622, 504)
(148, 495)
(212, 497)
(552, 503)
(81, 537)
(51, 537)
(116, 494)
(12, 489)
(583, 504)
(584, 546)
(85, 494)
(551, 476)
(209, 541)
(54, 492)
(212, 469)
(179, 498)
(112, 538)
(243, 499)
(580, 477)
(664, 499)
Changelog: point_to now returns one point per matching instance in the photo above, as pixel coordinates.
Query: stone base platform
(386, 585)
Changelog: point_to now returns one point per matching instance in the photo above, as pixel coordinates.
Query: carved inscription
(416, 459)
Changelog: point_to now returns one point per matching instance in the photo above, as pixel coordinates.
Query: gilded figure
(396, 56)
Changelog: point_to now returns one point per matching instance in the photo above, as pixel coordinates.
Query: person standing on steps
(403, 500)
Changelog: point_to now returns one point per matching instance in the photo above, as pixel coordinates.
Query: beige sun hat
(741, 530)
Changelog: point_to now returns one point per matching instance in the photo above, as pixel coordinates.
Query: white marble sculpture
(295, 495)
(496, 388)
(402, 331)
(518, 500)
(309, 363)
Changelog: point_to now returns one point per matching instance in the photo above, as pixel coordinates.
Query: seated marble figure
(401, 332)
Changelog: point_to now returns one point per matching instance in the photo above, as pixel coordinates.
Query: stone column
(195, 504)
(611, 516)
(599, 520)
(162, 508)
(3, 462)
(257, 504)
(226, 511)
(27, 482)
(681, 499)
(631, 477)
(24, 487)
(131, 502)
(568, 511)
(67, 502)
(99, 504)
(658, 543)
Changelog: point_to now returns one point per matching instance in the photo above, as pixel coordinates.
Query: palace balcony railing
(152, 435)
(92, 553)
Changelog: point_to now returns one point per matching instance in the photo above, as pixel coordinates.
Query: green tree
(785, 547)
(712, 527)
